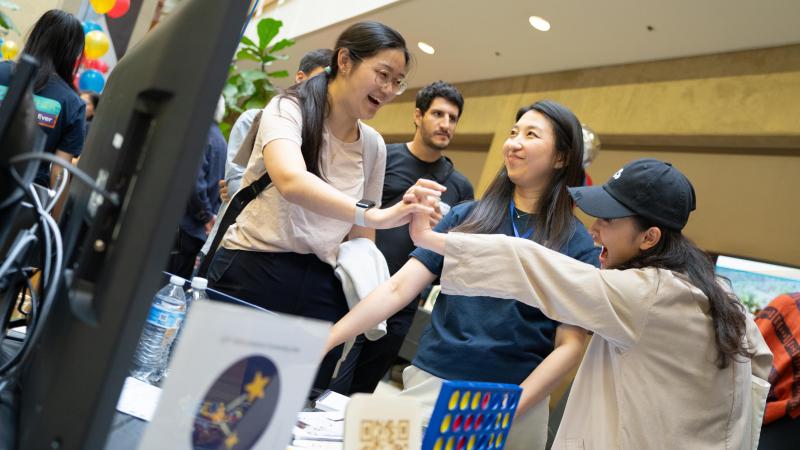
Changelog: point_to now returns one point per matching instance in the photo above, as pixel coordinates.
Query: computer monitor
(145, 146)
(19, 133)
(756, 282)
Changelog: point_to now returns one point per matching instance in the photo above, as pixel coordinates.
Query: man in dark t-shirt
(438, 108)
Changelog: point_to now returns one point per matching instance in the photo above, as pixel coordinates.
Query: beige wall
(731, 122)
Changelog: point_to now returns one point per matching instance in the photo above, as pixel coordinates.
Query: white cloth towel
(361, 268)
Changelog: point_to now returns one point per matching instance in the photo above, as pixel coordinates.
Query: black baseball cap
(649, 188)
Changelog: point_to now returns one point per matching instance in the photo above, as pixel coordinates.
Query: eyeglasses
(383, 78)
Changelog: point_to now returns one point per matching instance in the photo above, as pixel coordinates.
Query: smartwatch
(361, 210)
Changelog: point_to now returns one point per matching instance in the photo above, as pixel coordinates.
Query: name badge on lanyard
(512, 212)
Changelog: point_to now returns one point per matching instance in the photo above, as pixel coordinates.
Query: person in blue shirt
(56, 41)
(204, 202)
(491, 339)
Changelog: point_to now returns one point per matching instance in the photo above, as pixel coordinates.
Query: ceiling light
(539, 23)
(426, 48)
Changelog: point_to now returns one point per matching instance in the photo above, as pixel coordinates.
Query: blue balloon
(91, 80)
(91, 26)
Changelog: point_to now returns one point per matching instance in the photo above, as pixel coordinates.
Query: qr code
(384, 435)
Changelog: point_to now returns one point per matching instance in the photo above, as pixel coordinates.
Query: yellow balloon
(96, 44)
(9, 49)
(103, 6)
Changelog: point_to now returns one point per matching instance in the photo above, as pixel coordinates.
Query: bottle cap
(177, 280)
(199, 283)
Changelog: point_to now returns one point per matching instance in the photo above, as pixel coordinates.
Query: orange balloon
(96, 44)
(102, 6)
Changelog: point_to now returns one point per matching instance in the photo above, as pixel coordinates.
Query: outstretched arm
(612, 303)
(551, 371)
(388, 298)
(287, 169)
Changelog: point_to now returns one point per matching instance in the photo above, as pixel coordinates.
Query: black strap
(235, 207)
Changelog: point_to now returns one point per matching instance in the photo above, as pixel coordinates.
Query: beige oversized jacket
(648, 379)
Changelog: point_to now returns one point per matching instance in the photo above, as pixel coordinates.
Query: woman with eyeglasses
(326, 169)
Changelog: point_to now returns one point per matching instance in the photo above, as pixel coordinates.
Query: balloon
(119, 9)
(91, 26)
(102, 6)
(97, 64)
(9, 49)
(96, 44)
(591, 145)
(91, 80)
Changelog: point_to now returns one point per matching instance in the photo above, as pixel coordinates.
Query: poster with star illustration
(237, 380)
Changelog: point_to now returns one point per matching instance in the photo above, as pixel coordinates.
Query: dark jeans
(368, 361)
(783, 434)
(289, 283)
(183, 255)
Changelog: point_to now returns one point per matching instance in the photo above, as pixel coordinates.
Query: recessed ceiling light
(426, 48)
(539, 23)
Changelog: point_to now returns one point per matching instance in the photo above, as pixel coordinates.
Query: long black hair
(677, 253)
(362, 40)
(554, 218)
(56, 41)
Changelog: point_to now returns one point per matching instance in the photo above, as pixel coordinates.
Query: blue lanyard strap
(511, 211)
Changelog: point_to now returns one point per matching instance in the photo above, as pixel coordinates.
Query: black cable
(69, 167)
(34, 329)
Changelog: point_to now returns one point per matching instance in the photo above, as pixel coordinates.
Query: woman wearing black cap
(674, 361)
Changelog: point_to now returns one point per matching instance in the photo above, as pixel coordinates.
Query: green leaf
(280, 45)
(247, 54)
(249, 42)
(7, 23)
(245, 89)
(253, 75)
(267, 30)
(255, 103)
(225, 128)
(279, 74)
(229, 92)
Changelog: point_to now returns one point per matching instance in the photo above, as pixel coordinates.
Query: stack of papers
(319, 430)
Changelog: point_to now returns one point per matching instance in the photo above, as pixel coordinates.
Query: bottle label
(164, 318)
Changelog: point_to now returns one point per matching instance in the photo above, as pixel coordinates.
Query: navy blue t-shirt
(65, 130)
(487, 338)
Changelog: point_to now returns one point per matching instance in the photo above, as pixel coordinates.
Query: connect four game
(472, 416)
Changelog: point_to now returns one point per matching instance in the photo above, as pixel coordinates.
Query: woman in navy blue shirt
(490, 339)
(56, 41)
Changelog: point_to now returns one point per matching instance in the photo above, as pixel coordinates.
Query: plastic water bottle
(163, 321)
(199, 286)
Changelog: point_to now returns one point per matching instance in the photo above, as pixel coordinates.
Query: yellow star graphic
(255, 388)
(219, 414)
(231, 440)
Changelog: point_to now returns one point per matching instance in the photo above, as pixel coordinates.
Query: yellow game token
(476, 400)
(465, 400)
(453, 401)
(445, 424)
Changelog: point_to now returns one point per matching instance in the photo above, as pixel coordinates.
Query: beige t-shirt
(272, 224)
